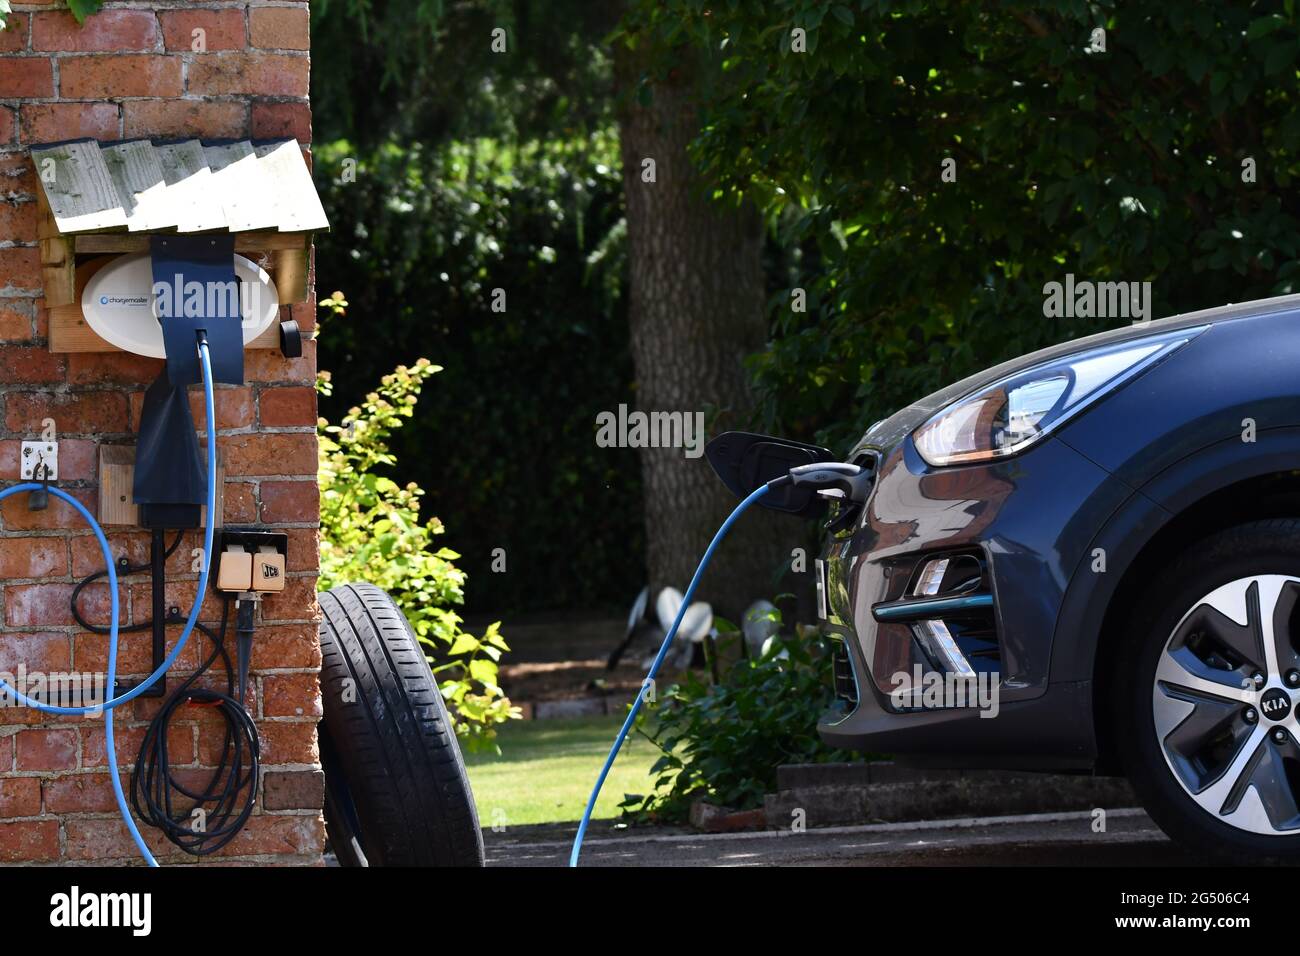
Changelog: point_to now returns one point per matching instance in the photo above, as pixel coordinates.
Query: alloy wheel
(1225, 694)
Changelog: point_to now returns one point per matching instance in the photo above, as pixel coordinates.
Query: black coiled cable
(157, 796)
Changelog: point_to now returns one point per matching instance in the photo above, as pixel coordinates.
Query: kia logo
(1275, 704)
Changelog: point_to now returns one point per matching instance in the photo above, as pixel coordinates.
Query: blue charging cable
(659, 659)
(108, 706)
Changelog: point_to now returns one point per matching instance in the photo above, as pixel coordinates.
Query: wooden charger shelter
(99, 200)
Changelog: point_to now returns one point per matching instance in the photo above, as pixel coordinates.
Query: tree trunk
(696, 311)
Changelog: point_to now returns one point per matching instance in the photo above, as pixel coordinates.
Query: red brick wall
(130, 71)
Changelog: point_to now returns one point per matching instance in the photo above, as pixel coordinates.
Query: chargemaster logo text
(123, 301)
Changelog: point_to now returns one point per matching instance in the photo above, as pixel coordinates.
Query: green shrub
(371, 531)
(723, 742)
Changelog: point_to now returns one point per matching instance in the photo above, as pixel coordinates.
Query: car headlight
(1012, 414)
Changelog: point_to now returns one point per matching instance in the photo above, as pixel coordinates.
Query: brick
(16, 320)
(233, 408)
(38, 605)
(178, 594)
(287, 407)
(240, 503)
(17, 178)
(28, 365)
(7, 125)
(185, 118)
(279, 28)
(20, 797)
(18, 220)
(33, 558)
(268, 365)
(134, 649)
(27, 76)
(288, 742)
(36, 652)
(304, 549)
(276, 120)
(49, 122)
(297, 835)
(104, 31)
(221, 30)
(92, 77)
(286, 645)
(112, 368)
(269, 454)
(291, 695)
(297, 602)
(290, 501)
(79, 793)
(57, 517)
(29, 841)
(20, 268)
(106, 838)
(293, 789)
(249, 74)
(78, 459)
(94, 752)
(134, 546)
(13, 38)
(74, 413)
(46, 749)
(87, 558)
(304, 313)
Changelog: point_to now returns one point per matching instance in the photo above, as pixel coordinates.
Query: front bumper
(1026, 524)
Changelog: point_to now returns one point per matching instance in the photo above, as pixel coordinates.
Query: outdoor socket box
(251, 560)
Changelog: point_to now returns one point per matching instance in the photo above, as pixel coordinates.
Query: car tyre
(1258, 551)
(397, 793)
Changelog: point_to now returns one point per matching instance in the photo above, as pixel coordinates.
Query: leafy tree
(429, 71)
(1126, 154)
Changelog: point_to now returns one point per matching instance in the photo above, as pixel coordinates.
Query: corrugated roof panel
(190, 197)
(186, 186)
(138, 178)
(78, 187)
(298, 208)
(245, 193)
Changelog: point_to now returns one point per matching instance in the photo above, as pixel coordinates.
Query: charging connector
(244, 610)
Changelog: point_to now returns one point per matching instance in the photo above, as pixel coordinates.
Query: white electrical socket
(33, 454)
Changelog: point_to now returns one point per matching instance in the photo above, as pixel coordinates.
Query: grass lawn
(547, 768)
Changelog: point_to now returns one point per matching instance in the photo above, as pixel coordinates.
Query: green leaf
(84, 8)
(1279, 56)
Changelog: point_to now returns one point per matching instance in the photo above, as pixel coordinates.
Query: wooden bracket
(58, 259)
(117, 478)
